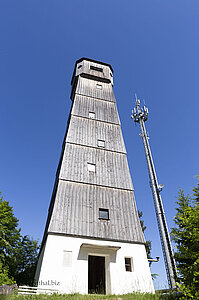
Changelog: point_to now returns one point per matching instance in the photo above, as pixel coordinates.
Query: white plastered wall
(65, 265)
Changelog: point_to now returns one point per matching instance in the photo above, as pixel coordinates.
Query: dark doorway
(96, 275)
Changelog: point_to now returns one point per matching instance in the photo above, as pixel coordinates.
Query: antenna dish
(160, 187)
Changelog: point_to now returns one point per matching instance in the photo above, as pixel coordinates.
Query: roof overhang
(99, 247)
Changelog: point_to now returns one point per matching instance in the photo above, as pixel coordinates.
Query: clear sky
(153, 47)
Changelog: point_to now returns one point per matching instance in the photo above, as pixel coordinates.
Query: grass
(135, 296)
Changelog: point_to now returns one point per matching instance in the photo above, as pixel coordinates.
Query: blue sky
(153, 48)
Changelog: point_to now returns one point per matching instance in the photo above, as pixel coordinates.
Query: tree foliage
(22, 262)
(186, 237)
(18, 254)
(4, 275)
(9, 234)
(9, 238)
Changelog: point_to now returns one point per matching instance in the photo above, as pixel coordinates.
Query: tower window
(96, 69)
(101, 143)
(128, 264)
(99, 86)
(91, 115)
(67, 258)
(104, 214)
(79, 66)
(91, 167)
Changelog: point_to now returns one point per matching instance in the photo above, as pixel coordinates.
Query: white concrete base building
(93, 241)
(69, 265)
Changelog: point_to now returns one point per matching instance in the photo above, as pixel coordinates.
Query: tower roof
(91, 60)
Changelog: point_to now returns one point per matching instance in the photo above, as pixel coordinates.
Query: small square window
(103, 214)
(128, 264)
(101, 143)
(91, 115)
(91, 167)
(99, 86)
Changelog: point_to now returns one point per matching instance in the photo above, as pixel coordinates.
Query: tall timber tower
(93, 241)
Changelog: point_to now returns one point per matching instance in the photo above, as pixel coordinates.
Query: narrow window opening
(99, 86)
(91, 115)
(91, 167)
(101, 143)
(96, 69)
(67, 259)
(128, 264)
(79, 66)
(103, 214)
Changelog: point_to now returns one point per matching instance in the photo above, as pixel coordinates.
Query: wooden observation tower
(93, 241)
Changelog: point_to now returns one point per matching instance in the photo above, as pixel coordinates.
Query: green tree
(9, 239)
(18, 254)
(22, 263)
(186, 237)
(9, 234)
(4, 275)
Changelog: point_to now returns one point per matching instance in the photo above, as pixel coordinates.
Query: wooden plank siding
(78, 192)
(111, 167)
(88, 87)
(105, 111)
(87, 132)
(76, 212)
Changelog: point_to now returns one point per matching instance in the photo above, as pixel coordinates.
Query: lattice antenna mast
(140, 115)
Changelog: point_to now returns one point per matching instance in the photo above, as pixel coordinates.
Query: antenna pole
(140, 115)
